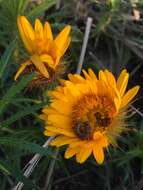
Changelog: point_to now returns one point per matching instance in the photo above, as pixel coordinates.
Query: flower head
(45, 51)
(87, 113)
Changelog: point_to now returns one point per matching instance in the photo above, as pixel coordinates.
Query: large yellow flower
(88, 113)
(45, 52)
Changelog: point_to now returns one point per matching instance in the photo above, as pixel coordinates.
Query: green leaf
(115, 4)
(6, 57)
(16, 173)
(17, 116)
(22, 5)
(13, 91)
(38, 10)
(2, 168)
(24, 145)
(104, 21)
(9, 11)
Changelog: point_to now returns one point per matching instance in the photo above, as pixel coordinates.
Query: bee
(82, 130)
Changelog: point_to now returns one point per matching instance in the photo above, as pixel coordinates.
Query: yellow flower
(87, 113)
(45, 52)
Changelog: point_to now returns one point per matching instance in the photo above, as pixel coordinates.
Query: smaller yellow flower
(45, 51)
(88, 113)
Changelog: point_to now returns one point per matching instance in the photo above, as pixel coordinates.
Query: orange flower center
(92, 113)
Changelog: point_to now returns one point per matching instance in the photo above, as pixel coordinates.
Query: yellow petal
(61, 131)
(104, 142)
(70, 152)
(117, 103)
(62, 107)
(67, 94)
(102, 76)
(48, 60)
(39, 65)
(90, 87)
(21, 69)
(62, 140)
(38, 30)
(78, 142)
(48, 111)
(83, 154)
(122, 82)
(71, 89)
(26, 33)
(98, 154)
(61, 39)
(100, 139)
(65, 47)
(129, 96)
(60, 120)
(61, 52)
(76, 78)
(97, 135)
(45, 47)
(92, 74)
(26, 26)
(86, 75)
(59, 96)
(102, 88)
(110, 78)
(47, 31)
(50, 133)
(53, 50)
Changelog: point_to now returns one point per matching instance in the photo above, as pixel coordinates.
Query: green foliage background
(116, 42)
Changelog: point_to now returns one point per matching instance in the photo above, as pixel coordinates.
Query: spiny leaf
(22, 4)
(6, 57)
(15, 89)
(23, 145)
(26, 111)
(16, 173)
(38, 10)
